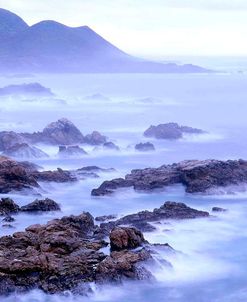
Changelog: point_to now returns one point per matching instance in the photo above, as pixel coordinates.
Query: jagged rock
(9, 139)
(170, 131)
(169, 210)
(62, 255)
(54, 176)
(218, 209)
(95, 138)
(14, 177)
(70, 151)
(105, 218)
(111, 146)
(8, 206)
(8, 219)
(25, 151)
(125, 238)
(41, 206)
(145, 147)
(197, 177)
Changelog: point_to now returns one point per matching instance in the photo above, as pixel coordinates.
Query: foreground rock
(144, 147)
(25, 151)
(170, 210)
(170, 131)
(45, 205)
(197, 177)
(64, 254)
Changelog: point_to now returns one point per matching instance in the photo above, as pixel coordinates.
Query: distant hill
(49, 46)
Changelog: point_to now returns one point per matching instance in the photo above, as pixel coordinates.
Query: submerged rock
(169, 210)
(170, 131)
(25, 151)
(145, 147)
(41, 206)
(197, 177)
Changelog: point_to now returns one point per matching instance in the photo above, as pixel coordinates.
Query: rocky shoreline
(68, 253)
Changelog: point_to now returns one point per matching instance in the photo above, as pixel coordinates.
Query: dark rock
(9, 139)
(170, 210)
(95, 169)
(54, 176)
(8, 219)
(24, 151)
(170, 131)
(122, 238)
(218, 209)
(70, 151)
(95, 138)
(145, 147)
(8, 226)
(8, 206)
(197, 177)
(30, 166)
(41, 206)
(111, 146)
(105, 218)
(63, 254)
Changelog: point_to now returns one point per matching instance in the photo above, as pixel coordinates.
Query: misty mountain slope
(49, 46)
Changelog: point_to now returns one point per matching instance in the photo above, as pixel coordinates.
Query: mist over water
(210, 262)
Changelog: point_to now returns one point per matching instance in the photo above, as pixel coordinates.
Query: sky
(151, 28)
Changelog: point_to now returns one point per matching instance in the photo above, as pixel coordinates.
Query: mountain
(49, 46)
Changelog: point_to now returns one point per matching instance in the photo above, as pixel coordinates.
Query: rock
(62, 255)
(108, 187)
(8, 219)
(95, 138)
(14, 177)
(33, 89)
(9, 139)
(105, 218)
(95, 169)
(25, 151)
(30, 166)
(197, 177)
(8, 206)
(218, 209)
(70, 151)
(111, 146)
(54, 176)
(170, 131)
(143, 147)
(8, 226)
(169, 210)
(122, 238)
(45, 205)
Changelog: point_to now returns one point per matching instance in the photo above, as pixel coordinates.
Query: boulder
(45, 205)
(122, 238)
(24, 151)
(144, 147)
(8, 206)
(95, 138)
(58, 175)
(170, 131)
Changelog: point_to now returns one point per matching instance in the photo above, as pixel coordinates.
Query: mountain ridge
(50, 46)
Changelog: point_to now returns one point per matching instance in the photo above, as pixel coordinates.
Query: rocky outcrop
(9, 139)
(169, 210)
(197, 177)
(24, 151)
(58, 175)
(71, 151)
(64, 254)
(144, 147)
(95, 138)
(170, 131)
(8, 207)
(105, 218)
(111, 146)
(45, 205)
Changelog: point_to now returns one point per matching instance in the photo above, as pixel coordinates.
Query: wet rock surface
(64, 254)
(170, 131)
(169, 210)
(7, 207)
(45, 205)
(197, 177)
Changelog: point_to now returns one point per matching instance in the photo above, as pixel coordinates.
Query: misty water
(211, 261)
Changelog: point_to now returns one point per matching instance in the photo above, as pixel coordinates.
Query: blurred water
(211, 265)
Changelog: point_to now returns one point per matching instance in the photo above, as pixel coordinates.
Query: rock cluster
(170, 131)
(197, 177)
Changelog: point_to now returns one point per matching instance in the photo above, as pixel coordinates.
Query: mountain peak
(10, 23)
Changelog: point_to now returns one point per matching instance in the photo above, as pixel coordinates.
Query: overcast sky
(150, 27)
